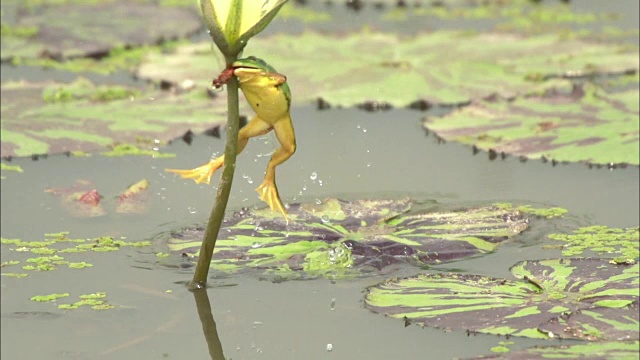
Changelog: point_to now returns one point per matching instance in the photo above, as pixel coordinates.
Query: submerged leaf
(135, 200)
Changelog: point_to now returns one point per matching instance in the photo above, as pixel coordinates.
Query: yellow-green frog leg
(268, 190)
(202, 174)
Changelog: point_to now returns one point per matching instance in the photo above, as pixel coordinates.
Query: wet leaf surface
(444, 67)
(547, 291)
(62, 30)
(340, 238)
(623, 244)
(596, 350)
(590, 124)
(49, 118)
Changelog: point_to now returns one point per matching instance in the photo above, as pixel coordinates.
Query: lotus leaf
(575, 290)
(603, 240)
(61, 31)
(619, 350)
(444, 67)
(590, 125)
(351, 237)
(84, 117)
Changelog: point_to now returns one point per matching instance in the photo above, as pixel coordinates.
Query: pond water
(344, 153)
(354, 154)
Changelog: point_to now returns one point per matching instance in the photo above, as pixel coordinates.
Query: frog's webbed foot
(268, 192)
(201, 174)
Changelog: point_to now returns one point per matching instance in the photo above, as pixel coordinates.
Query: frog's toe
(268, 192)
(201, 174)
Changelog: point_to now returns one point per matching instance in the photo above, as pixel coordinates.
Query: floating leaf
(96, 301)
(598, 323)
(30, 125)
(547, 213)
(15, 275)
(596, 350)
(444, 67)
(589, 125)
(6, 167)
(342, 237)
(63, 30)
(601, 240)
(60, 243)
(46, 298)
(548, 289)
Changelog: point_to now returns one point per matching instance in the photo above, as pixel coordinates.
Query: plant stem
(224, 188)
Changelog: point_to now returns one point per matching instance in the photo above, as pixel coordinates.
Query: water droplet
(329, 347)
(318, 201)
(368, 164)
(358, 126)
(256, 245)
(304, 188)
(325, 219)
(192, 210)
(313, 176)
(364, 130)
(333, 303)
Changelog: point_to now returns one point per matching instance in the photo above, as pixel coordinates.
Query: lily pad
(444, 67)
(63, 30)
(547, 289)
(588, 125)
(598, 323)
(351, 237)
(602, 240)
(93, 118)
(620, 350)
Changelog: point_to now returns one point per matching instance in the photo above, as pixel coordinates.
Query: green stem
(224, 188)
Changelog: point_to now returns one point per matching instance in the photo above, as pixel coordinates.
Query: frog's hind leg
(202, 174)
(268, 190)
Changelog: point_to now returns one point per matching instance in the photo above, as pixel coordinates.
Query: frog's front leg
(268, 190)
(202, 174)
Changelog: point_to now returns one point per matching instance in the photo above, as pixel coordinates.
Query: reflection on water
(209, 327)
